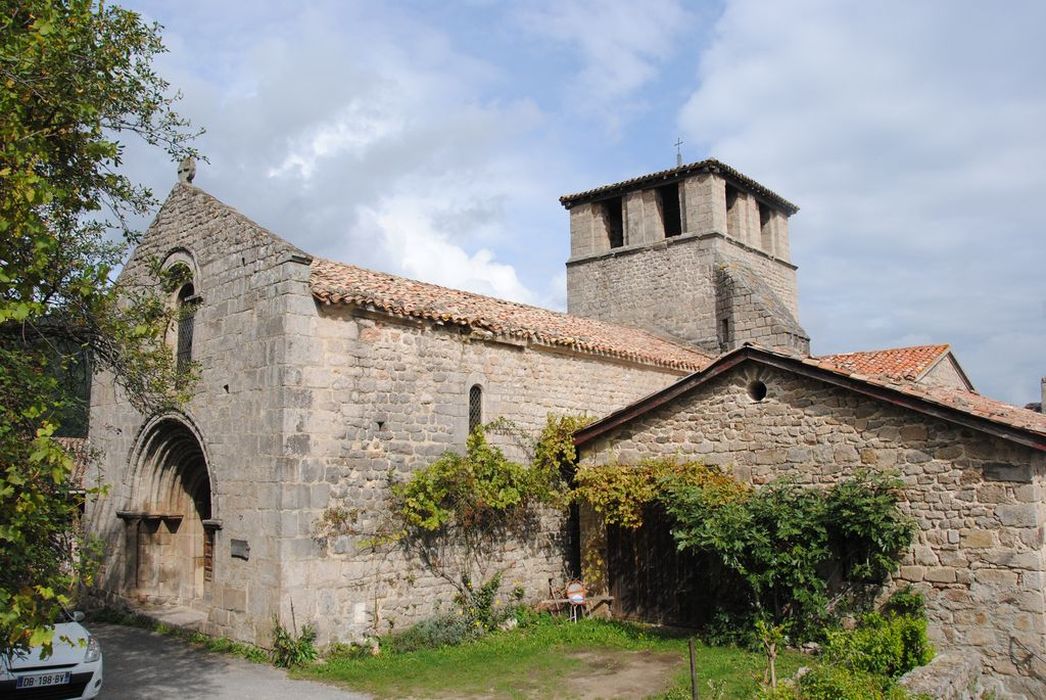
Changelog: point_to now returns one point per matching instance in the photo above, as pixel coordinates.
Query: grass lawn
(557, 658)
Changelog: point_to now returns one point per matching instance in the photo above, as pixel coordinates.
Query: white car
(73, 670)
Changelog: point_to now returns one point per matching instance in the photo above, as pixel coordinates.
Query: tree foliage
(783, 543)
(75, 78)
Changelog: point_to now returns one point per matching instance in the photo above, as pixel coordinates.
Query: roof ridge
(972, 405)
(894, 349)
(700, 166)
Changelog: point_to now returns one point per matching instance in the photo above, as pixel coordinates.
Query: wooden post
(693, 671)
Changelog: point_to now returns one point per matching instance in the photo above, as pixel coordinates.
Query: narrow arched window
(475, 407)
(186, 312)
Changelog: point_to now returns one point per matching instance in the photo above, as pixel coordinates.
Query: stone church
(320, 381)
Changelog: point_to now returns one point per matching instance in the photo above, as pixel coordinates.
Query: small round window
(756, 390)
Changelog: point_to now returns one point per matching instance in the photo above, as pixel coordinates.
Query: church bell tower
(698, 253)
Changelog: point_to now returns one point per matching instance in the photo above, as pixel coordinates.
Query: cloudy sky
(432, 139)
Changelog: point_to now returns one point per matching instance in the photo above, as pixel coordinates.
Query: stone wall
(978, 500)
(247, 280)
(945, 374)
(298, 408)
(672, 288)
(381, 397)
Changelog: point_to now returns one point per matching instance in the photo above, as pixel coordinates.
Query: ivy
(782, 543)
(621, 493)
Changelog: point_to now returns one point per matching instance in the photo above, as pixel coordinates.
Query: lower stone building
(974, 472)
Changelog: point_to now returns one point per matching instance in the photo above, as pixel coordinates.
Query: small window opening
(475, 407)
(668, 201)
(724, 334)
(186, 312)
(614, 219)
(733, 223)
(766, 235)
(756, 390)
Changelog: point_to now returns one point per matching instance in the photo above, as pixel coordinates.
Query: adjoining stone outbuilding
(974, 472)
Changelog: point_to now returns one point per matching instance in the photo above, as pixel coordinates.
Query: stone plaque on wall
(240, 549)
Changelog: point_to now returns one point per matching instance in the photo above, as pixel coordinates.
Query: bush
(782, 540)
(291, 649)
(886, 645)
(433, 633)
(905, 601)
(837, 683)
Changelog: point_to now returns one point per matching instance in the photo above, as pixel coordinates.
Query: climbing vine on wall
(782, 542)
(456, 513)
(621, 493)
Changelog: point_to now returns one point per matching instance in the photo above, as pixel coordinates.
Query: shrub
(478, 604)
(779, 541)
(432, 633)
(905, 601)
(290, 649)
(887, 645)
(837, 683)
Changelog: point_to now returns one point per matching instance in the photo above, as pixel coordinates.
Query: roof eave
(709, 165)
(1028, 438)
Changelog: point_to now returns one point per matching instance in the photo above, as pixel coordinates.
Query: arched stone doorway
(169, 522)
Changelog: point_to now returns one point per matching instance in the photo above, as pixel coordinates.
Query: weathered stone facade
(320, 382)
(977, 498)
(720, 254)
(300, 406)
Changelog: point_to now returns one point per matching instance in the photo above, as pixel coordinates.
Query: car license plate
(39, 680)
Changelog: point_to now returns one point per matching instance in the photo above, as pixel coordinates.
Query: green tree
(75, 78)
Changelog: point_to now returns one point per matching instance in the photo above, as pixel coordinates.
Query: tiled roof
(964, 407)
(710, 165)
(966, 401)
(339, 283)
(896, 363)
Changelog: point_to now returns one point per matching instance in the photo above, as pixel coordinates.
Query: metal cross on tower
(679, 154)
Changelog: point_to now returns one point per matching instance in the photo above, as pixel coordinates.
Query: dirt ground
(631, 674)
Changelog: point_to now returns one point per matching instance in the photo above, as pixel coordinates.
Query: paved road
(148, 666)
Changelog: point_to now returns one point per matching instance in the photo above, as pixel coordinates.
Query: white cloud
(362, 134)
(911, 134)
(358, 126)
(407, 229)
(621, 44)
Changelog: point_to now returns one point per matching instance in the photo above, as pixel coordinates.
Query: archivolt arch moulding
(170, 518)
(159, 437)
(182, 256)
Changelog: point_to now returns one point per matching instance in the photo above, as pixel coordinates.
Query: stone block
(940, 574)
(978, 538)
(234, 599)
(912, 573)
(1022, 515)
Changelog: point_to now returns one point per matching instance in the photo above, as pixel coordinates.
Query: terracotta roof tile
(339, 283)
(966, 401)
(896, 363)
